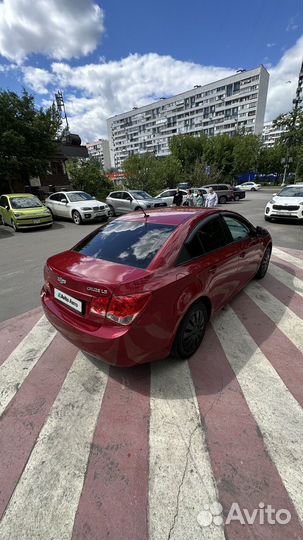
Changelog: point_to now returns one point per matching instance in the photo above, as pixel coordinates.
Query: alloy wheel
(76, 218)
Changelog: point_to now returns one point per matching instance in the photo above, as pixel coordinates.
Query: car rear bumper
(123, 346)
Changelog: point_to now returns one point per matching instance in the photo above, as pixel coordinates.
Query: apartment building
(271, 134)
(100, 151)
(224, 106)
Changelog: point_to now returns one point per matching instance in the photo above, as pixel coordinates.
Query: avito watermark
(264, 514)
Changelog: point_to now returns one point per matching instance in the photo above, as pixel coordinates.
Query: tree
(27, 138)
(188, 150)
(142, 172)
(246, 153)
(168, 172)
(87, 175)
(219, 155)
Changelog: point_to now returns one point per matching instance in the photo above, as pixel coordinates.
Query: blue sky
(110, 55)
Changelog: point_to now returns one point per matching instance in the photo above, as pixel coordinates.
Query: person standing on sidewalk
(200, 201)
(178, 198)
(211, 198)
(190, 200)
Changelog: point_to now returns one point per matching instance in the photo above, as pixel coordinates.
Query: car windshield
(140, 195)
(80, 196)
(25, 202)
(291, 191)
(133, 243)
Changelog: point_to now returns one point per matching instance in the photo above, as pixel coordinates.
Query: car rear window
(133, 243)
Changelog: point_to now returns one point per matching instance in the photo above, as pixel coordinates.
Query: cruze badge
(61, 280)
(95, 289)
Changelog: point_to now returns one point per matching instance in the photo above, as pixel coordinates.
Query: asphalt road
(23, 254)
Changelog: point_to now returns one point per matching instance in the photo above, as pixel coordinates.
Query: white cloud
(55, 28)
(94, 92)
(281, 92)
(111, 88)
(38, 79)
(269, 45)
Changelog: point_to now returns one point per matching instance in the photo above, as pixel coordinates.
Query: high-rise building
(224, 106)
(271, 134)
(100, 151)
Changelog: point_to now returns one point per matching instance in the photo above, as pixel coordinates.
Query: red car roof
(170, 216)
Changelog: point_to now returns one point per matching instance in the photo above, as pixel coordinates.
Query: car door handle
(212, 270)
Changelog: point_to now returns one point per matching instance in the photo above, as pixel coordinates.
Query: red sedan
(143, 287)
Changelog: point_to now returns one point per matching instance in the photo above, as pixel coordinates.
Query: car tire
(236, 198)
(191, 331)
(253, 189)
(112, 212)
(264, 263)
(223, 199)
(76, 217)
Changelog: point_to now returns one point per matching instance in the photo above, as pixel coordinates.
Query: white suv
(76, 205)
(288, 203)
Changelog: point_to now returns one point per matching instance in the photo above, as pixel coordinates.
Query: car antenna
(141, 208)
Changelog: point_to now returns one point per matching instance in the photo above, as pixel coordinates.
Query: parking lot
(24, 253)
(168, 450)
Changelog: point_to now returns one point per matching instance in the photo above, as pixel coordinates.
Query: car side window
(209, 237)
(63, 198)
(54, 197)
(126, 196)
(237, 229)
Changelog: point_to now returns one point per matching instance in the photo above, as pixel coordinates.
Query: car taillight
(99, 305)
(121, 309)
(124, 309)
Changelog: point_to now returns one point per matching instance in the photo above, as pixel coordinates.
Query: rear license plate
(68, 300)
(36, 221)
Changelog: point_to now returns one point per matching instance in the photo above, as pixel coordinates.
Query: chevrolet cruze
(144, 286)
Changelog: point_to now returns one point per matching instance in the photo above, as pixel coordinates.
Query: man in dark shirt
(178, 198)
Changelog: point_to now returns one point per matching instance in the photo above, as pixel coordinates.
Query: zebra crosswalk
(161, 451)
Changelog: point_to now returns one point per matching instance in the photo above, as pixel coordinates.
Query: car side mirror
(128, 198)
(275, 194)
(260, 231)
(94, 198)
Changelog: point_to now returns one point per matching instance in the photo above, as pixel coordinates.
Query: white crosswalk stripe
(291, 281)
(180, 469)
(53, 478)
(285, 319)
(23, 359)
(278, 414)
(288, 257)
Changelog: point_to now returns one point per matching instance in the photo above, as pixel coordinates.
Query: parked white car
(168, 195)
(76, 205)
(249, 186)
(288, 203)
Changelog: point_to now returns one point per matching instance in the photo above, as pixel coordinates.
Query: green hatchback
(24, 211)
